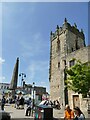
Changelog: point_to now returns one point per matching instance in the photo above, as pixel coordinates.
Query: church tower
(63, 42)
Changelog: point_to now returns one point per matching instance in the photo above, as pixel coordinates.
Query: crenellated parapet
(67, 26)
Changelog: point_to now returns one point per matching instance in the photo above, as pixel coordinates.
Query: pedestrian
(78, 114)
(57, 104)
(3, 103)
(28, 110)
(69, 114)
(21, 103)
(54, 104)
(17, 102)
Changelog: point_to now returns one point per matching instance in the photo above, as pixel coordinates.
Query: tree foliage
(79, 77)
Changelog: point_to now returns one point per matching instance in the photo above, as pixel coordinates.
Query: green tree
(79, 78)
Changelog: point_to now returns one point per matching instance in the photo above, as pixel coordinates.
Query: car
(4, 115)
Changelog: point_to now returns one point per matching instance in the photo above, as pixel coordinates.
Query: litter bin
(4, 115)
(43, 112)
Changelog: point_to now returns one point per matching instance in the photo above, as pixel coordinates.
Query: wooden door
(76, 101)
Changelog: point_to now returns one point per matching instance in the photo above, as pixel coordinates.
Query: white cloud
(42, 82)
(32, 51)
(37, 72)
(33, 48)
(15, 8)
(2, 78)
(1, 60)
(31, 71)
(12, 13)
(36, 69)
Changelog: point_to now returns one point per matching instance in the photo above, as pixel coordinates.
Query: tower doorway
(76, 101)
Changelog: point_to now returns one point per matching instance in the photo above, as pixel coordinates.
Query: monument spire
(14, 80)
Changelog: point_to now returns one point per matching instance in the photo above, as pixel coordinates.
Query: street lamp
(33, 97)
(22, 75)
(33, 94)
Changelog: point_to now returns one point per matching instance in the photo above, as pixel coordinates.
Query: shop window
(1, 87)
(4, 87)
(7, 87)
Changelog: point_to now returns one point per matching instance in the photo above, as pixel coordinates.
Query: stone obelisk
(14, 80)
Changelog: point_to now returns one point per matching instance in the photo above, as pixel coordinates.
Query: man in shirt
(3, 102)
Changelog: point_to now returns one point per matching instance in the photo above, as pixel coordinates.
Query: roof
(5, 83)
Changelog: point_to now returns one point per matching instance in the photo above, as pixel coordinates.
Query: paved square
(16, 113)
(19, 114)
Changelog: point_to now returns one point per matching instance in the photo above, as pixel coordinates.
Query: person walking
(17, 102)
(3, 103)
(69, 114)
(78, 114)
(28, 110)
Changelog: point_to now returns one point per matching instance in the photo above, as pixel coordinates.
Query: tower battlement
(67, 26)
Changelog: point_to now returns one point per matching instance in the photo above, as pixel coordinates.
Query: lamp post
(22, 75)
(33, 97)
(33, 94)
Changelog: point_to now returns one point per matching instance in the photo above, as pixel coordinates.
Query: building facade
(67, 43)
(4, 86)
(36, 92)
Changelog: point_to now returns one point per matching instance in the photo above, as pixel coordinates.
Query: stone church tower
(67, 42)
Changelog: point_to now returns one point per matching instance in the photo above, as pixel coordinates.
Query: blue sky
(26, 31)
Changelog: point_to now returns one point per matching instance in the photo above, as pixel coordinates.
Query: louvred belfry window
(58, 64)
(58, 45)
